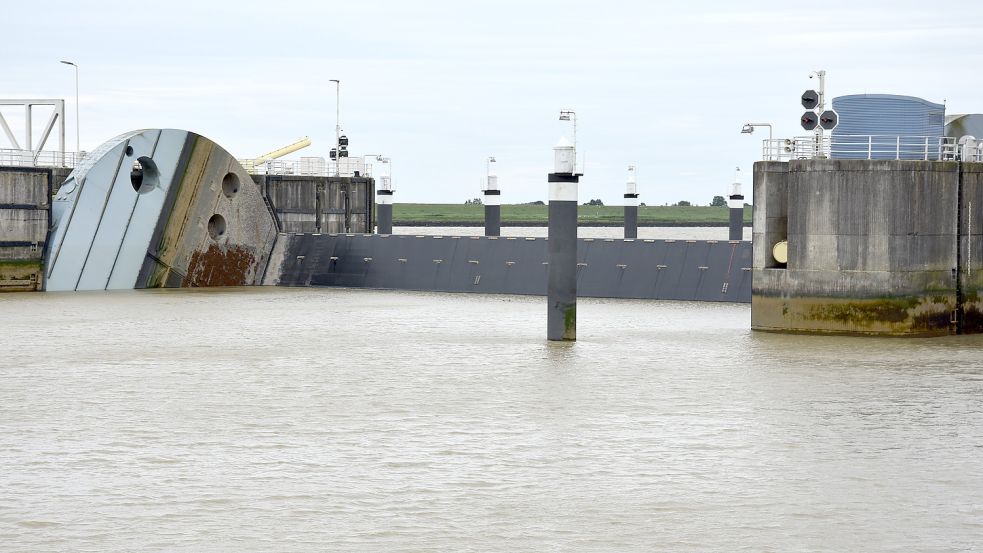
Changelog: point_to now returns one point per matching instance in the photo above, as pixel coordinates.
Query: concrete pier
(384, 211)
(561, 278)
(493, 213)
(631, 205)
(873, 247)
(735, 202)
(631, 218)
(25, 214)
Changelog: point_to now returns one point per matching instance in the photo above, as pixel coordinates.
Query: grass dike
(532, 215)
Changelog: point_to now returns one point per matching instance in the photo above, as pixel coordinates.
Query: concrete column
(735, 202)
(631, 216)
(384, 211)
(631, 205)
(561, 281)
(493, 213)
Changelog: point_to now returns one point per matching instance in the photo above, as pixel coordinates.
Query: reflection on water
(357, 420)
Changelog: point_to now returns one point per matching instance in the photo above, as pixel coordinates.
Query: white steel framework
(57, 117)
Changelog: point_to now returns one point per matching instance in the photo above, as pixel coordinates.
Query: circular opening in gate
(143, 175)
(216, 226)
(230, 185)
(129, 150)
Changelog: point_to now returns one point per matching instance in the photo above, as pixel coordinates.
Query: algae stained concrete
(879, 247)
(25, 210)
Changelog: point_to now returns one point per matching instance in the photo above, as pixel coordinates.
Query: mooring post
(561, 282)
(736, 204)
(631, 205)
(493, 202)
(384, 206)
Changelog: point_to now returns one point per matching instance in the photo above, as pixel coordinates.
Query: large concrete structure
(158, 209)
(868, 247)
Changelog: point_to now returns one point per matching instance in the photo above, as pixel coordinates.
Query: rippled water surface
(357, 420)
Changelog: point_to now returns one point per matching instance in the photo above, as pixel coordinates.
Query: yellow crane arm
(299, 145)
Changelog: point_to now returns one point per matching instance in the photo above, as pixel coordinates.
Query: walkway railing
(925, 148)
(315, 167)
(304, 167)
(44, 158)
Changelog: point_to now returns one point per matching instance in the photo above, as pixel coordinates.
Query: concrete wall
(701, 270)
(971, 248)
(25, 212)
(873, 246)
(310, 204)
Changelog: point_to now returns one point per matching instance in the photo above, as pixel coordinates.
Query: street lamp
(749, 128)
(570, 115)
(385, 180)
(337, 127)
(491, 181)
(78, 147)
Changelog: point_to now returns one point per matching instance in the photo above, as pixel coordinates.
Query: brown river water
(272, 419)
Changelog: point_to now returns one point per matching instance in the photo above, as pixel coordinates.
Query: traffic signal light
(828, 119)
(810, 99)
(809, 120)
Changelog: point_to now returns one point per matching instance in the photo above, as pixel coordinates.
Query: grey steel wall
(879, 247)
(25, 212)
(320, 204)
(698, 270)
(887, 116)
(958, 126)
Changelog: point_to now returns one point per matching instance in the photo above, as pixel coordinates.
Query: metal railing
(315, 167)
(925, 148)
(43, 158)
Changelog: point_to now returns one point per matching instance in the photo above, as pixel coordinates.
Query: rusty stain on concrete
(220, 266)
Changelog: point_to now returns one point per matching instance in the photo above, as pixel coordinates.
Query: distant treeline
(534, 214)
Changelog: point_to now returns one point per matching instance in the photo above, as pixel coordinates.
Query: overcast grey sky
(438, 85)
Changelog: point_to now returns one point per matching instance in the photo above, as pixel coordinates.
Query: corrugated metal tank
(886, 126)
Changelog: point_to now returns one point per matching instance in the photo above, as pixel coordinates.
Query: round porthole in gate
(144, 175)
(230, 185)
(216, 226)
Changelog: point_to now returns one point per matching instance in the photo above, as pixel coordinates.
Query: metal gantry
(31, 152)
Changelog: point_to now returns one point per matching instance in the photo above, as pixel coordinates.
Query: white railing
(44, 158)
(315, 167)
(925, 148)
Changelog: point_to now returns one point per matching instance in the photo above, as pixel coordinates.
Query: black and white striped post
(736, 204)
(631, 205)
(493, 202)
(561, 281)
(384, 206)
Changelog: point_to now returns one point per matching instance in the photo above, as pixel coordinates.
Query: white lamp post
(78, 147)
(337, 127)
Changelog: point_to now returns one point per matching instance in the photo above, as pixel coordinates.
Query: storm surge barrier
(689, 270)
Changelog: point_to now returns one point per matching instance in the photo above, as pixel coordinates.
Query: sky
(438, 86)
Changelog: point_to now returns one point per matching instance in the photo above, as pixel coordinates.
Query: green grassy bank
(536, 215)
